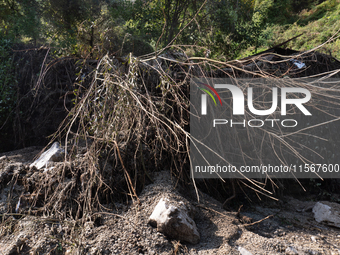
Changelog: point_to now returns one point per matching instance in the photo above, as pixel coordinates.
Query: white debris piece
(18, 206)
(53, 154)
(298, 63)
(244, 251)
(327, 212)
(313, 238)
(174, 222)
(291, 250)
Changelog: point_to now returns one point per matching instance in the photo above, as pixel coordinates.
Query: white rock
(244, 251)
(53, 154)
(327, 212)
(291, 250)
(174, 222)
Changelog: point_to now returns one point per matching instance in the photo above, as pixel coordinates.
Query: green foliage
(280, 11)
(19, 19)
(316, 22)
(316, 26)
(233, 29)
(261, 9)
(142, 19)
(63, 20)
(228, 28)
(146, 19)
(224, 26)
(317, 12)
(64, 15)
(103, 35)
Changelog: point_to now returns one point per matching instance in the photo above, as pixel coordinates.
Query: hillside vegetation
(315, 23)
(229, 29)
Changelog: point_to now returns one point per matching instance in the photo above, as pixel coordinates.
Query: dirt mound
(133, 121)
(122, 228)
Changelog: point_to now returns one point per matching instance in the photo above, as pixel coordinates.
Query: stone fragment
(174, 222)
(328, 213)
(53, 154)
(2, 158)
(312, 252)
(291, 250)
(244, 251)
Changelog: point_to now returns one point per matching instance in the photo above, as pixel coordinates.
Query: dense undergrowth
(314, 24)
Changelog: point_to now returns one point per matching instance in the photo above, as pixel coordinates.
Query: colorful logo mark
(209, 93)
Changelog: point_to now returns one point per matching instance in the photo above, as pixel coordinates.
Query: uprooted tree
(131, 117)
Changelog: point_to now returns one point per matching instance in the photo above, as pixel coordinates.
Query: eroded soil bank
(122, 228)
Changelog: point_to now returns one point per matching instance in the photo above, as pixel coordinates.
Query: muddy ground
(286, 226)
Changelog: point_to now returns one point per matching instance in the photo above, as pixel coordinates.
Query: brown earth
(123, 228)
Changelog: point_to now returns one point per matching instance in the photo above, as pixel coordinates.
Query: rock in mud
(291, 251)
(174, 222)
(53, 154)
(327, 212)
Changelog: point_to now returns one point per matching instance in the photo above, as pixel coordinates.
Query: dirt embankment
(122, 228)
